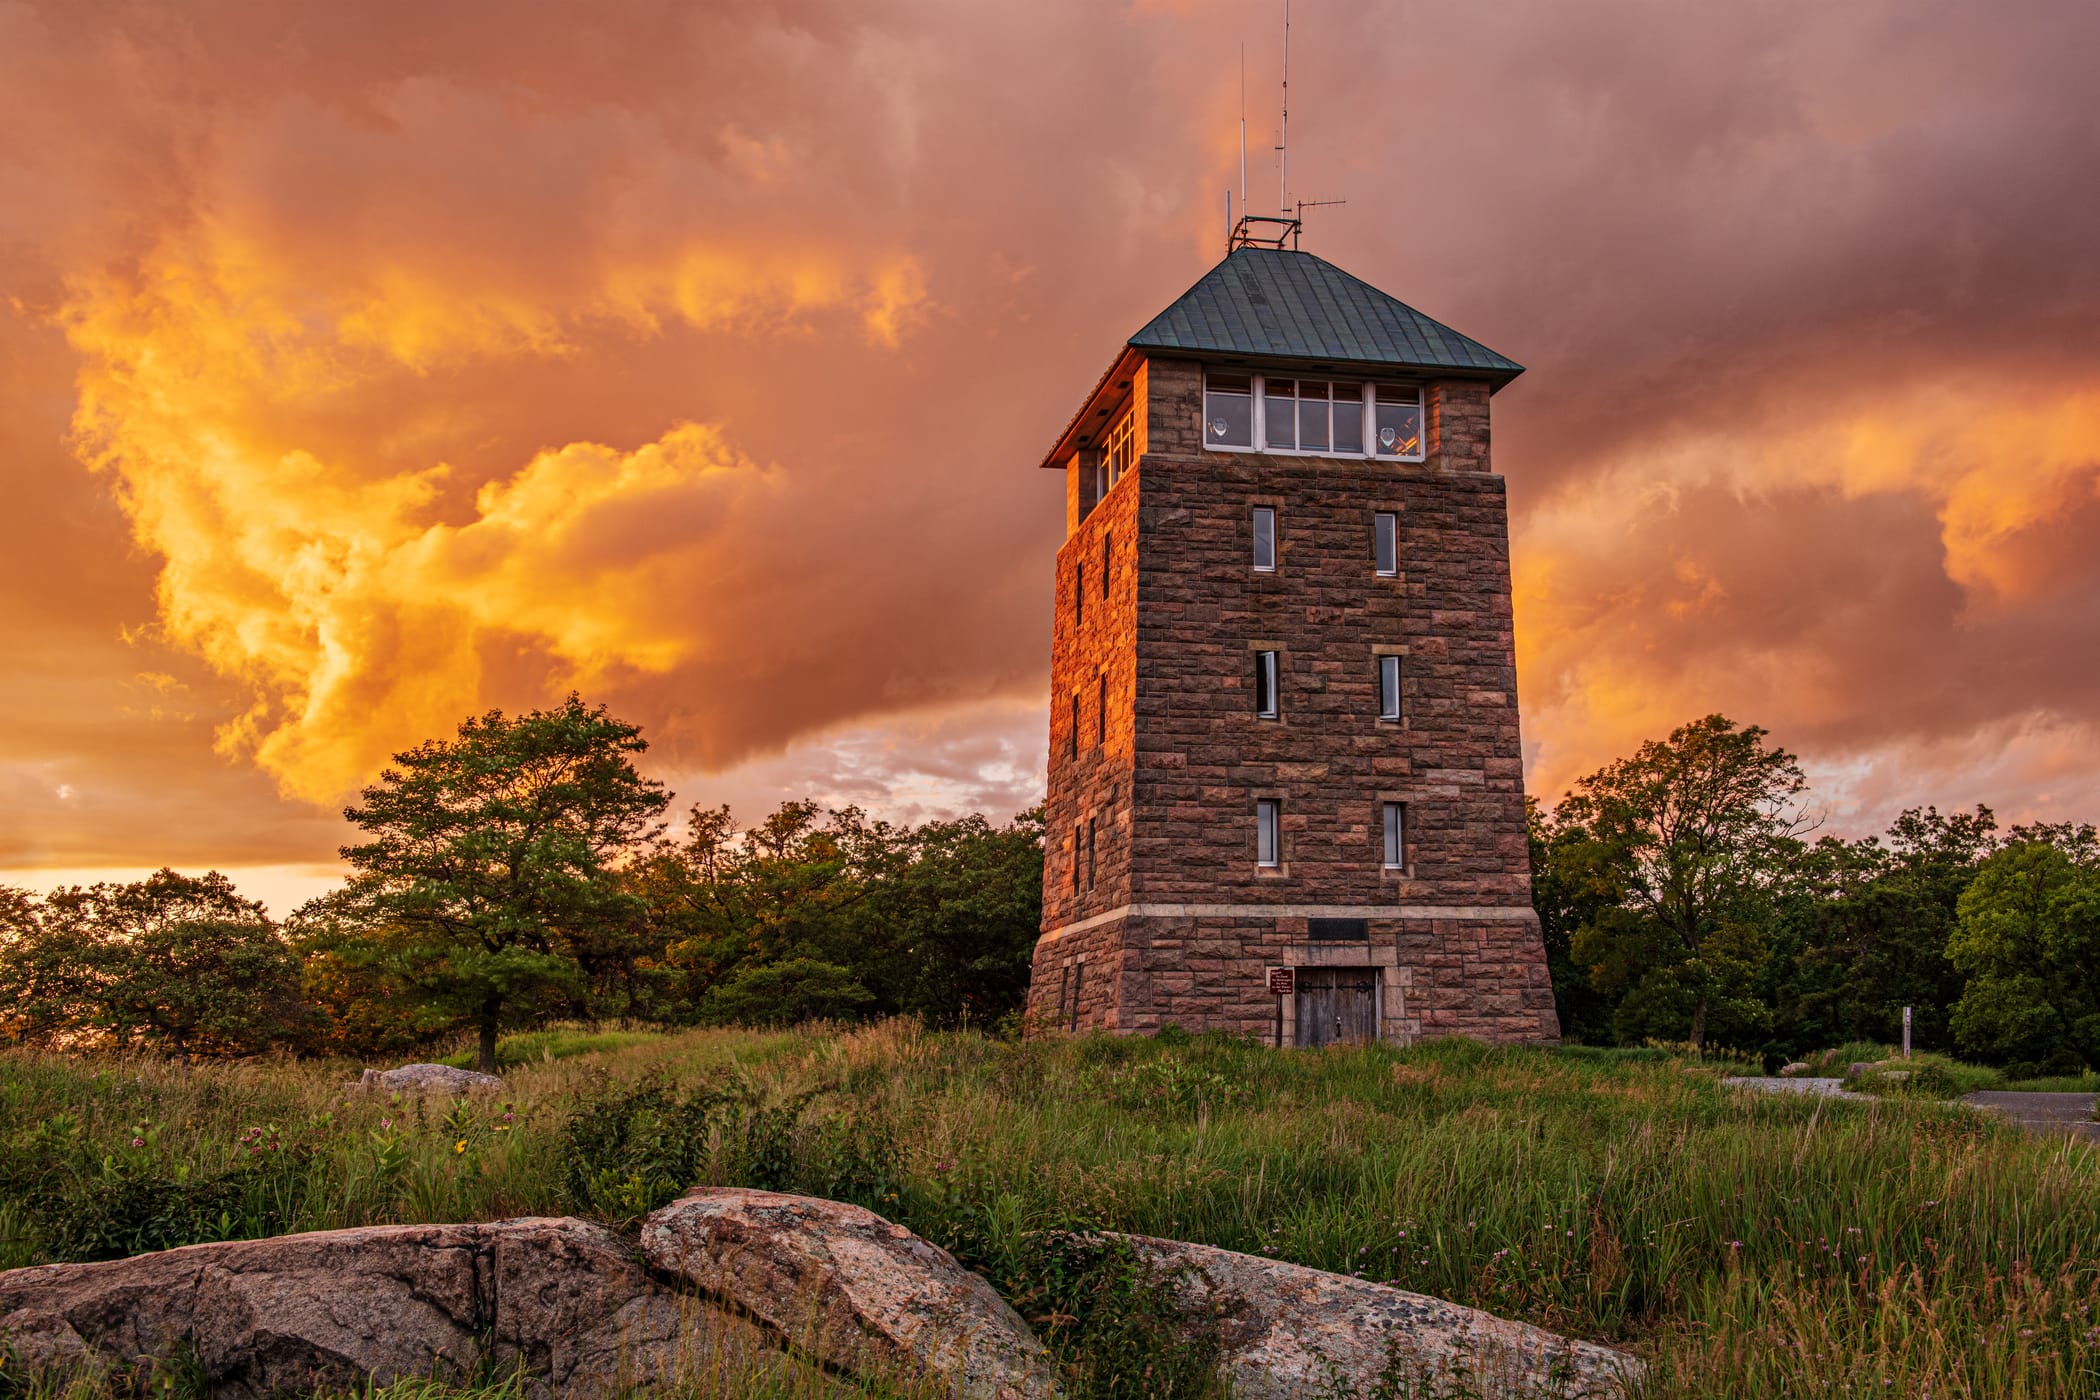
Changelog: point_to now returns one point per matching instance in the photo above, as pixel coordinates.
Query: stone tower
(1283, 721)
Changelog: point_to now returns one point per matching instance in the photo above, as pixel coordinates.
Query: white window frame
(1268, 674)
(1255, 525)
(1382, 523)
(1389, 698)
(1268, 830)
(1258, 415)
(1393, 832)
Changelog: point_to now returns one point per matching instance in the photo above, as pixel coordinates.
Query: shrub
(628, 1150)
(786, 994)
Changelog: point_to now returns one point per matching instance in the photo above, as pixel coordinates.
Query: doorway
(1337, 1005)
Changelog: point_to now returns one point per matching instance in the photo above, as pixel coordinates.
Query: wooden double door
(1337, 1005)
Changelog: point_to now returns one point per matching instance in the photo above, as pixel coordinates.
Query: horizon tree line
(522, 871)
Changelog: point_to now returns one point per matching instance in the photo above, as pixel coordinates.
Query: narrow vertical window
(1072, 733)
(1265, 538)
(1395, 836)
(1228, 411)
(1389, 687)
(1101, 711)
(1091, 827)
(1079, 595)
(1265, 676)
(1078, 835)
(1268, 814)
(1078, 986)
(1279, 414)
(1385, 543)
(1064, 993)
(1107, 556)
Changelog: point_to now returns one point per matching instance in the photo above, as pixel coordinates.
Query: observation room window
(1118, 452)
(1268, 817)
(1389, 687)
(1265, 539)
(1312, 417)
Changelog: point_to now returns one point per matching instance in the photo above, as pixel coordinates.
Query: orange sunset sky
(365, 365)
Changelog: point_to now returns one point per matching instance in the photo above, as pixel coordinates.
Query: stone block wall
(1180, 921)
(1091, 761)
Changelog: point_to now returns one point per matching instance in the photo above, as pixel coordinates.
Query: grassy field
(1747, 1245)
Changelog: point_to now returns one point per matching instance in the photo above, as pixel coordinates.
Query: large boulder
(849, 1288)
(422, 1079)
(561, 1299)
(1292, 1333)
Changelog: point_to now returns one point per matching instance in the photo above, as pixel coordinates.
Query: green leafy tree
(950, 935)
(786, 993)
(495, 861)
(2029, 945)
(42, 983)
(348, 981)
(174, 962)
(1881, 913)
(1570, 894)
(1681, 847)
(937, 921)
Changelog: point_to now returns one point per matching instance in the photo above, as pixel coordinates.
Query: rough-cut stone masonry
(1178, 921)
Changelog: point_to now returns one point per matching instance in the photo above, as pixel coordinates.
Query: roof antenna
(1283, 144)
(1230, 226)
(1280, 231)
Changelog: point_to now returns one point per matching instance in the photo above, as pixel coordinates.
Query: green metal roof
(1278, 303)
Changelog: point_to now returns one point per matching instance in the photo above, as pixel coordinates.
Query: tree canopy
(493, 868)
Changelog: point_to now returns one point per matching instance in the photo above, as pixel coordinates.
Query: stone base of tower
(1447, 972)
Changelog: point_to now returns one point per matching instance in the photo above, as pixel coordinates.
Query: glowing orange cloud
(351, 602)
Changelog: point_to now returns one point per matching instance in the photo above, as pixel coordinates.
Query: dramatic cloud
(363, 367)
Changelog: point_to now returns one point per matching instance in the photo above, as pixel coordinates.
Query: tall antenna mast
(1283, 149)
(1262, 230)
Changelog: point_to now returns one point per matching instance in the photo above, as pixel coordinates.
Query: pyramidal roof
(1278, 303)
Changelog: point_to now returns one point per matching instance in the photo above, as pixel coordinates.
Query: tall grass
(1745, 1244)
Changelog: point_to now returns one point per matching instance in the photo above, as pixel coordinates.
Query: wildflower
(138, 1142)
(459, 1147)
(386, 1122)
(1735, 1244)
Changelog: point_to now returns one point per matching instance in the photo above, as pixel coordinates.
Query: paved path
(1820, 1088)
(2041, 1113)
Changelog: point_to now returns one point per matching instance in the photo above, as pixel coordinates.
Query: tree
(2029, 944)
(1568, 896)
(172, 961)
(950, 936)
(1881, 916)
(937, 921)
(1682, 842)
(495, 860)
(786, 993)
